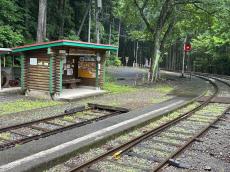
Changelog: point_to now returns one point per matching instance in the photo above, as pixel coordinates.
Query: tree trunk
(41, 28)
(155, 56)
(62, 17)
(119, 33)
(90, 21)
(84, 18)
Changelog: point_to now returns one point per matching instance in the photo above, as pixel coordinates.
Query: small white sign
(70, 72)
(33, 61)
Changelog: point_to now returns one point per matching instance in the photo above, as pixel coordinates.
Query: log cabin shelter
(63, 68)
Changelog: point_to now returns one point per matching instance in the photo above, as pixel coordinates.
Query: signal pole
(187, 49)
(184, 55)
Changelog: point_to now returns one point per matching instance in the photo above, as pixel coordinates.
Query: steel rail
(114, 111)
(179, 151)
(13, 127)
(126, 146)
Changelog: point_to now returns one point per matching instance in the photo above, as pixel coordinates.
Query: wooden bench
(71, 83)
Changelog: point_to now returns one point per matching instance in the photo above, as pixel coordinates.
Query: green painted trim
(51, 75)
(61, 68)
(73, 44)
(49, 51)
(17, 50)
(104, 73)
(93, 46)
(97, 81)
(22, 63)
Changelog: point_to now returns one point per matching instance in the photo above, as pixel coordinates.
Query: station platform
(10, 90)
(41, 153)
(79, 93)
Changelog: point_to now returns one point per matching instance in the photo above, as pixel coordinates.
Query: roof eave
(73, 44)
(5, 51)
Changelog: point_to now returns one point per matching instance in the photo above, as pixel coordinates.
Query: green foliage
(72, 36)
(9, 37)
(8, 12)
(114, 61)
(10, 30)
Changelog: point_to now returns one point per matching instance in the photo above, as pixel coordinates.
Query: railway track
(72, 118)
(156, 148)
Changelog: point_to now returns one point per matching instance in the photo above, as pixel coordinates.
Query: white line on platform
(94, 135)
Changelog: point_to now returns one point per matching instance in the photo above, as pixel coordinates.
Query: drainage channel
(71, 118)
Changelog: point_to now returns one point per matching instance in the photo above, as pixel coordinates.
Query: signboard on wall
(33, 61)
(87, 69)
(78, 52)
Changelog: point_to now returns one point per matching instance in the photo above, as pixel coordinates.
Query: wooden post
(60, 80)
(51, 60)
(22, 63)
(102, 70)
(62, 55)
(51, 75)
(97, 74)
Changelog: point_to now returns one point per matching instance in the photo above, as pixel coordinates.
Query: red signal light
(187, 47)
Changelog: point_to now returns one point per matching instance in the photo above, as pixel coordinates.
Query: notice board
(87, 69)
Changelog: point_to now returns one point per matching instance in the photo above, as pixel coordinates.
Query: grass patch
(163, 89)
(23, 105)
(160, 99)
(113, 87)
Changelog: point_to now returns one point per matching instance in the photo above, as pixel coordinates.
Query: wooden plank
(38, 86)
(39, 128)
(20, 134)
(44, 85)
(38, 79)
(37, 83)
(39, 70)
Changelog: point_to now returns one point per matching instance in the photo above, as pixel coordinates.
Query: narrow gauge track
(169, 135)
(72, 118)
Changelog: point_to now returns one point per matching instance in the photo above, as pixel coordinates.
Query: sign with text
(33, 61)
(87, 69)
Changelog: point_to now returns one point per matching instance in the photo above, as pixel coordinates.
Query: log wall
(37, 76)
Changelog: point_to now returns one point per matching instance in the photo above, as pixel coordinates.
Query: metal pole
(190, 66)
(184, 54)
(137, 54)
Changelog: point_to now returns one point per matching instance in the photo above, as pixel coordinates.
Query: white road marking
(94, 135)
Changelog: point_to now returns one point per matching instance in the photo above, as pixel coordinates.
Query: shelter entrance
(79, 71)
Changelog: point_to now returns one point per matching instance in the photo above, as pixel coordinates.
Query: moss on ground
(5, 135)
(163, 89)
(24, 105)
(113, 87)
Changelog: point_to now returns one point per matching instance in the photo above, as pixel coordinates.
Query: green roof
(59, 43)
